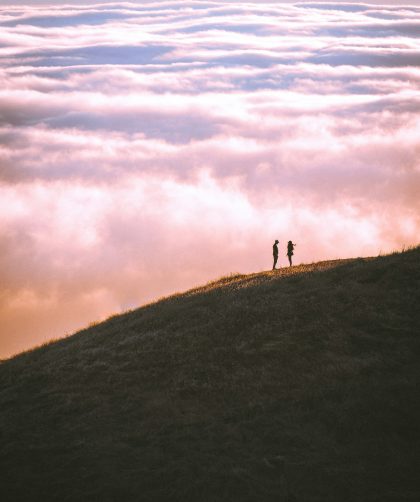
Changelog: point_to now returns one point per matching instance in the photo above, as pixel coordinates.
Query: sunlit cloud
(147, 148)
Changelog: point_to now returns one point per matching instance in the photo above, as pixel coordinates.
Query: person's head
(289, 242)
(276, 241)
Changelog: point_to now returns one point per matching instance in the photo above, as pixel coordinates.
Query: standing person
(290, 248)
(275, 253)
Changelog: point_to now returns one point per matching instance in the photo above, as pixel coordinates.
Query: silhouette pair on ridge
(289, 254)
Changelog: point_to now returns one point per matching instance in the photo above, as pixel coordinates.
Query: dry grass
(298, 384)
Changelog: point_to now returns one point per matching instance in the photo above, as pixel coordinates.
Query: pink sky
(148, 148)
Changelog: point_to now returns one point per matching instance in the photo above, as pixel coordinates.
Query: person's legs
(275, 261)
(290, 259)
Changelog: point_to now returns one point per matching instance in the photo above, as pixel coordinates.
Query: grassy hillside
(295, 385)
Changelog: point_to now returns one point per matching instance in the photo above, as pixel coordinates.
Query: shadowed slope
(291, 385)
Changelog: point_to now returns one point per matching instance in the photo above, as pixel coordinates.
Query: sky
(146, 148)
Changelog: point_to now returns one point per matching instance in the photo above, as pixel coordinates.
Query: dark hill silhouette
(291, 385)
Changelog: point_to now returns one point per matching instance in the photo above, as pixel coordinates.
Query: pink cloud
(159, 146)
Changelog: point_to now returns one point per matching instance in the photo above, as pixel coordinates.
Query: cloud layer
(146, 148)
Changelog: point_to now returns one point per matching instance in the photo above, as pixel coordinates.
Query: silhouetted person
(275, 253)
(290, 248)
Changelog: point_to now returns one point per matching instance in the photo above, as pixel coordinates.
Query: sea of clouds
(146, 148)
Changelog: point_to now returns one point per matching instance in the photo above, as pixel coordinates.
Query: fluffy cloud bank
(146, 148)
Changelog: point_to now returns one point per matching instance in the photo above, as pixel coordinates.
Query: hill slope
(291, 385)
